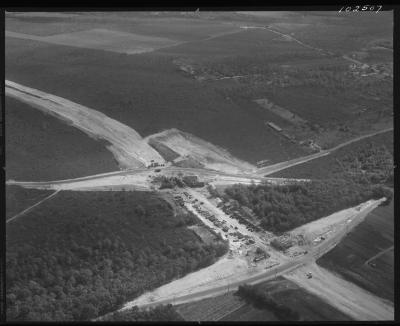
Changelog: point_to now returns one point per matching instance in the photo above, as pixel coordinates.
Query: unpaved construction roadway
(127, 146)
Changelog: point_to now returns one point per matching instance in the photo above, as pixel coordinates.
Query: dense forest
(281, 208)
(159, 313)
(83, 254)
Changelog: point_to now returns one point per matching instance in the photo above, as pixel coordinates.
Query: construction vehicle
(309, 275)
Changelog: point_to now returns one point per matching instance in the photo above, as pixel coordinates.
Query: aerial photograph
(199, 165)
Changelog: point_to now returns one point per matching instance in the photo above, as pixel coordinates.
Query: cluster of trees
(369, 165)
(172, 182)
(281, 208)
(159, 313)
(264, 299)
(169, 182)
(83, 254)
(367, 161)
(330, 79)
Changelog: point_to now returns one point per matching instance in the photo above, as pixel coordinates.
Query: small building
(274, 126)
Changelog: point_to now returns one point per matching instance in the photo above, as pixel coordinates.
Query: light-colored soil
(345, 296)
(135, 181)
(103, 39)
(223, 271)
(211, 156)
(126, 144)
(346, 218)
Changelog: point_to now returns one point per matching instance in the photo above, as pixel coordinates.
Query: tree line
(284, 207)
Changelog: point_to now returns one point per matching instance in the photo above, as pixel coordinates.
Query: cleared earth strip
(127, 146)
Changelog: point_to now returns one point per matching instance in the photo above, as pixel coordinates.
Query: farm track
(31, 207)
(379, 254)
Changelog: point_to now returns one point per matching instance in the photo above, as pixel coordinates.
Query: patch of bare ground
(205, 153)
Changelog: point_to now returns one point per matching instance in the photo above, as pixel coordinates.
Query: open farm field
(310, 105)
(327, 166)
(247, 43)
(379, 55)
(19, 199)
(308, 306)
(83, 254)
(175, 27)
(40, 147)
(147, 93)
(211, 309)
(102, 39)
(332, 32)
(231, 307)
(365, 256)
(250, 313)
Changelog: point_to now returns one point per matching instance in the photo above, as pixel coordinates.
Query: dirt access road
(142, 178)
(127, 146)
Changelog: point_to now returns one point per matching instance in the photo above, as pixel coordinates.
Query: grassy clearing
(349, 257)
(39, 147)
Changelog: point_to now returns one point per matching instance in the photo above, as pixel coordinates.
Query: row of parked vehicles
(234, 213)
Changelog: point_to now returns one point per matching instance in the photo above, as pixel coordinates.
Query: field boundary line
(32, 207)
(232, 311)
(379, 254)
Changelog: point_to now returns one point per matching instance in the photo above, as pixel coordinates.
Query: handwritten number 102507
(360, 8)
